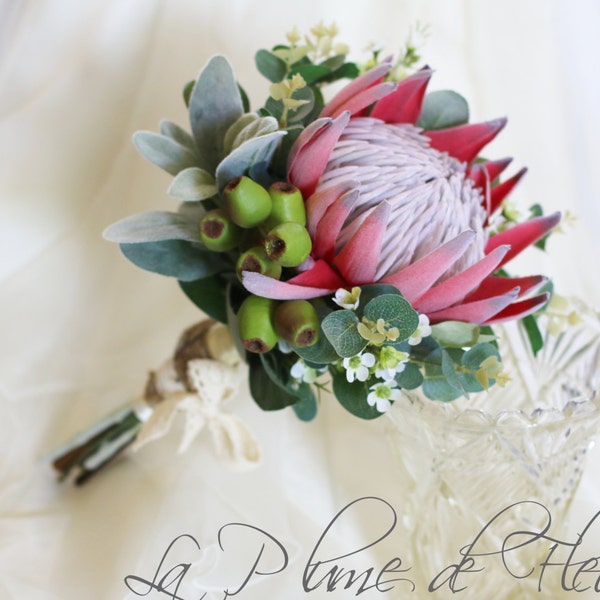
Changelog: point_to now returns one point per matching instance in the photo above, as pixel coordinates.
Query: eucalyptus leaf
(271, 66)
(473, 358)
(443, 109)
(410, 378)
(312, 73)
(306, 407)
(353, 396)
(322, 352)
(208, 294)
(455, 333)
(296, 115)
(340, 329)
(396, 311)
(333, 62)
(163, 151)
(257, 151)
(179, 135)
(215, 104)
(534, 335)
(193, 184)
(153, 226)
(174, 258)
(374, 290)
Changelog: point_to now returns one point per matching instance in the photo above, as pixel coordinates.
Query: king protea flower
(389, 203)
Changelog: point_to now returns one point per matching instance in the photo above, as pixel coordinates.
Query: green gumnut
(288, 205)
(255, 259)
(288, 244)
(297, 322)
(255, 322)
(218, 232)
(247, 202)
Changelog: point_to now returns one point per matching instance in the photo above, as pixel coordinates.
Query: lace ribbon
(212, 383)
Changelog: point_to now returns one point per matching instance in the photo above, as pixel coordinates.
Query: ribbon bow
(213, 382)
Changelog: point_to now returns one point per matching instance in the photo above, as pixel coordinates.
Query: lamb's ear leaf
(215, 104)
(163, 151)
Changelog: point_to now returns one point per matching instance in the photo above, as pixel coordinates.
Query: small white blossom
(423, 330)
(302, 372)
(357, 367)
(284, 347)
(346, 299)
(382, 395)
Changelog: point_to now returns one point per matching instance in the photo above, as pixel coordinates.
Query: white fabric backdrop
(80, 326)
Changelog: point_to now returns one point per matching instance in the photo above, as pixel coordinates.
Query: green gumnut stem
(255, 322)
(218, 232)
(297, 322)
(288, 205)
(255, 259)
(288, 244)
(247, 202)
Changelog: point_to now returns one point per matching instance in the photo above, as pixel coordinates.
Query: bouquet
(354, 243)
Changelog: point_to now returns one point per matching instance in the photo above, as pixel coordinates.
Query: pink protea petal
(481, 180)
(318, 203)
(456, 288)
(413, 281)
(309, 155)
(404, 104)
(493, 168)
(358, 259)
(496, 285)
(465, 141)
(362, 100)
(518, 310)
(355, 87)
(503, 189)
(522, 235)
(478, 312)
(318, 281)
(331, 224)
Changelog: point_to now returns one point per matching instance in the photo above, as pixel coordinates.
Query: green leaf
(296, 115)
(306, 407)
(193, 184)
(443, 109)
(266, 393)
(312, 73)
(450, 373)
(455, 334)
(245, 99)
(473, 358)
(340, 329)
(334, 62)
(396, 311)
(534, 335)
(435, 387)
(174, 258)
(346, 71)
(163, 151)
(251, 155)
(215, 104)
(153, 226)
(410, 378)
(353, 396)
(187, 91)
(179, 135)
(208, 294)
(374, 290)
(270, 66)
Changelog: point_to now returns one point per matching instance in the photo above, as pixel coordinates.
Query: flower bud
(255, 260)
(255, 322)
(248, 203)
(288, 205)
(218, 232)
(297, 322)
(288, 244)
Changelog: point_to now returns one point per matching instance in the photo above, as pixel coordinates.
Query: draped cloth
(80, 327)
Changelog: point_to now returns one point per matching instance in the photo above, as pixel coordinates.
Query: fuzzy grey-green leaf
(193, 184)
(163, 151)
(215, 104)
(178, 134)
(254, 152)
(257, 128)
(153, 226)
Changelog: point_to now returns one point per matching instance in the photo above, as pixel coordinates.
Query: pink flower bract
(389, 203)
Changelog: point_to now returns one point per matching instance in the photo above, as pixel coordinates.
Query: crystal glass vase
(488, 480)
